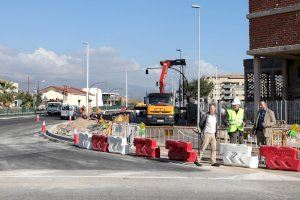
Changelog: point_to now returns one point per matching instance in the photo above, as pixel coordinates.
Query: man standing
(209, 128)
(263, 127)
(235, 119)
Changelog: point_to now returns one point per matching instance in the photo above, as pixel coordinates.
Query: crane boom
(165, 66)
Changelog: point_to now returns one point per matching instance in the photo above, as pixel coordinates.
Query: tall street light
(180, 81)
(126, 87)
(196, 6)
(87, 76)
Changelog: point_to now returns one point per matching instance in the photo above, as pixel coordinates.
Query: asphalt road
(31, 167)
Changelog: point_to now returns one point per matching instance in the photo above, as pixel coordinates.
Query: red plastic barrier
(100, 143)
(76, 139)
(181, 151)
(281, 158)
(146, 147)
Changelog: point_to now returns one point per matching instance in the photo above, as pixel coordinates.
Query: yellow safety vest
(235, 120)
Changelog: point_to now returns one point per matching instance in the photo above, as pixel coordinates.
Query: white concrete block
(238, 155)
(85, 140)
(240, 160)
(118, 145)
(241, 148)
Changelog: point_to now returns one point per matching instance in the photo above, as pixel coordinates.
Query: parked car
(53, 108)
(69, 110)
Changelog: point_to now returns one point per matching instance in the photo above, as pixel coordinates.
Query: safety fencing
(14, 111)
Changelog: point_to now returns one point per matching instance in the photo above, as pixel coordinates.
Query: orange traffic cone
(44, 127)
(76, 138)
(37, 118)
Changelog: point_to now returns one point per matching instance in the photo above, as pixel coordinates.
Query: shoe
(216, 165)
(197, 163)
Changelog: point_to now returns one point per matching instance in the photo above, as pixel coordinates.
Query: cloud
(206, 69)
(106, 65)
(59, 69)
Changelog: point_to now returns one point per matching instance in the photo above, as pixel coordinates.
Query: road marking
(247, 177)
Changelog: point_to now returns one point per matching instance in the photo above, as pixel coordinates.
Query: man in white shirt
(209, 128)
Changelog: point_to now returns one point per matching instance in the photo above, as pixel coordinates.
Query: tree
(7, 93)
(38, 99)
(27, 100)
(206, 87)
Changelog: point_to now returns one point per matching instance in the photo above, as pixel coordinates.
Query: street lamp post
(87, 76)
(181, 82)
(126, 87)
(199, 75)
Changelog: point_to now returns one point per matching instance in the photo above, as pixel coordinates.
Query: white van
(69, 111)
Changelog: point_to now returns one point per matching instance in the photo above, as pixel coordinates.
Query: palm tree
(7, 93)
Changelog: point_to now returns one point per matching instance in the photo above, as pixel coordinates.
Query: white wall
(51, 94)
(75, 99)
(97, 95)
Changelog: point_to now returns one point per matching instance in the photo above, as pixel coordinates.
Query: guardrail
(5, 112)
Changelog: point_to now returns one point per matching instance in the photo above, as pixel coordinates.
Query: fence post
(281, 110)
(285, 112)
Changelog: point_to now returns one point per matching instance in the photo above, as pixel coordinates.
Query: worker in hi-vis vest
(235, 120)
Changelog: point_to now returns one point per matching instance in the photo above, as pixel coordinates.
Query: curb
(57, 138)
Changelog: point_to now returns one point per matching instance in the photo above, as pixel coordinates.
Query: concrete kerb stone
(55, 137)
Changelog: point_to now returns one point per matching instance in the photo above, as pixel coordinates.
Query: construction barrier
(146, 147)
(181, 151)
(100, 143)
(76, 138)
(118, 145)
(85, 140)
(279, 158)
(238, 155)
(179, 133)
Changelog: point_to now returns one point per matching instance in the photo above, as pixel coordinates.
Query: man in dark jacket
(209, 128)
(264, 123)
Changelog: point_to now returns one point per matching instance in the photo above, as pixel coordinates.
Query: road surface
(33, 168)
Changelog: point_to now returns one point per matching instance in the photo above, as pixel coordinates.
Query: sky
(44, 40)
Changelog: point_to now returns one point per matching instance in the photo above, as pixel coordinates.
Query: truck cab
(160, 109)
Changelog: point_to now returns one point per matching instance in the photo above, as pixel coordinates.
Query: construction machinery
(160, 106)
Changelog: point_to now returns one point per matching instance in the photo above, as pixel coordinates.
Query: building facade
(111, 99)
(227, 87)
(274, 30)
(72, 95)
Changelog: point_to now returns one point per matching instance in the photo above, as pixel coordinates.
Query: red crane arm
(162, 81)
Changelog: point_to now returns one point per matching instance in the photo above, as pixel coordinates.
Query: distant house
(71, 95)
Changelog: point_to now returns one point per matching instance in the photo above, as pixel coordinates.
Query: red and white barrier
(76, 138)
(37, 118)
(181, 151)
(146, 147)
(85, 140)
(280, 158)
(43, 130)
(100, 143)
(118, 145)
